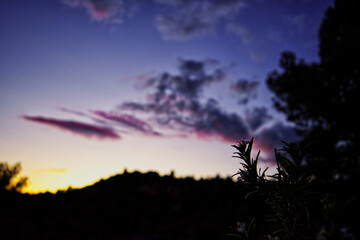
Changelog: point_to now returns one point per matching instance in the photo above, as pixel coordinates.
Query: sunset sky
(90, 87)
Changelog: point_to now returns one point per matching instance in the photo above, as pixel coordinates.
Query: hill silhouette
(126, 206)
(148, 206)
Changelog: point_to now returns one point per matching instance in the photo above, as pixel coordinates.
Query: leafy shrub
(282, 200)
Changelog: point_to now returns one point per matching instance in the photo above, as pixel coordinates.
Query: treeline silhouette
(126, 206)
(135, 205)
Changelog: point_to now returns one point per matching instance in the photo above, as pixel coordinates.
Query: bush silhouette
(290, 204)
(282, 198)
(8, 175)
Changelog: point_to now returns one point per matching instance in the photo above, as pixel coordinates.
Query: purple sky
(90, 82)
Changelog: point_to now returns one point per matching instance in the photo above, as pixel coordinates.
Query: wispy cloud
(111, 10)
(78, 128)
(189, 19)
(178, 20)
(129, 122)
(177, 106)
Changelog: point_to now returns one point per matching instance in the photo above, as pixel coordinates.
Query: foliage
(320, 98)
(8, 175)
(284, 196)
(293, 203)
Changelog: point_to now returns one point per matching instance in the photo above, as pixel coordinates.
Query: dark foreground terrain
(148, 206)
(126, 206)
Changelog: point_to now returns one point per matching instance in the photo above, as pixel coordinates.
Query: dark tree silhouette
(321, 98)
(8, 175)
(127, 206)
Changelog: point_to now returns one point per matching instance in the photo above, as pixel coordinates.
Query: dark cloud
(79, 128)
(244, 86)
(207, 121)
(215, 123)
(272, 137)
(257, 117)
(179, 93)
(245, 89)
(176, 103)
(192, 78)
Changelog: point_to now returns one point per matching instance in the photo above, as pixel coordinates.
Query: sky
(89, 88)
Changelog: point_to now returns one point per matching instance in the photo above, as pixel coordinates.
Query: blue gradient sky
(61, 61)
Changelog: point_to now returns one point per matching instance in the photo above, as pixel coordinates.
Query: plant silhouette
(282, 198)
(8, 175)
(290, 204)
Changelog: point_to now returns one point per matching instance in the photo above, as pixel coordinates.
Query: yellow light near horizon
(53, 182)
(55, 164)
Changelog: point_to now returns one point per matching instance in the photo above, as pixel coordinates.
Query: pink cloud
(98, 11)
(82, 129)
(113, 11)
(129, 121)
(218, 136)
